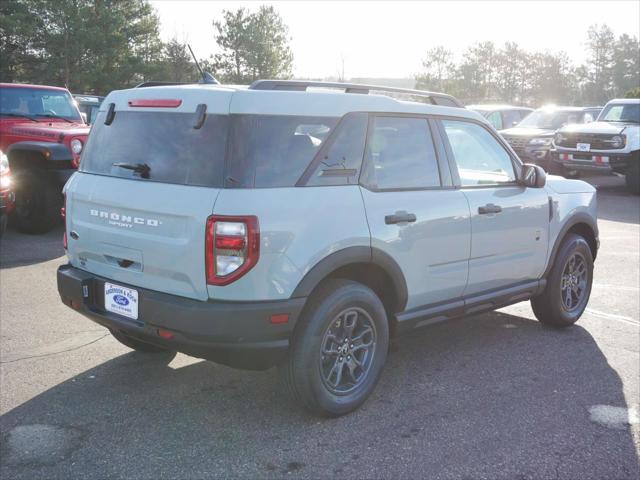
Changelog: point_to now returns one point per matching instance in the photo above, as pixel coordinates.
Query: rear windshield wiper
(51, 115)
(18, 115)
(142, 168)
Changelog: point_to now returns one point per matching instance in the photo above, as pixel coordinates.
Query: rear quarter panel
(299, 226)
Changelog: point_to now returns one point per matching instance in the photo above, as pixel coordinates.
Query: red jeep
(42, 133)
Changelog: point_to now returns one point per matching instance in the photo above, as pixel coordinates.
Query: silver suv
(302, 224)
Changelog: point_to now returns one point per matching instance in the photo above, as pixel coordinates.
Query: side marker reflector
(167, 335)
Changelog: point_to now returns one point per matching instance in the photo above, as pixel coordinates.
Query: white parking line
(612, 316)
(617, 287)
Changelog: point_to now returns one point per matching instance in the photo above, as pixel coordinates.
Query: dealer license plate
(121, 300)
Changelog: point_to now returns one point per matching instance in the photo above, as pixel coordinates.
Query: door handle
(489, 208)
(399, 217)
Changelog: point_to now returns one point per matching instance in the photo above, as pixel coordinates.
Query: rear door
(509, 222)
(148, 180)
(414, 213)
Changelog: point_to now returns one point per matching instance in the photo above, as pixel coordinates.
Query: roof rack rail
(302, 85)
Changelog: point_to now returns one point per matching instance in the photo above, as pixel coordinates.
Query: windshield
(550, 119)
(621, 113)
(38, 103)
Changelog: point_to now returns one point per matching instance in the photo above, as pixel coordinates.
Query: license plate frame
(123, 301)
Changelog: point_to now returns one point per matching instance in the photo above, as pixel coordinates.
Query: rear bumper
(238, 334)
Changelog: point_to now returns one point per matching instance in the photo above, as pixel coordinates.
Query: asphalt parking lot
(494, 396)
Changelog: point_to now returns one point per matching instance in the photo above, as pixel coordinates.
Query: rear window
(273, 151)
(168, 143)
(236, 151)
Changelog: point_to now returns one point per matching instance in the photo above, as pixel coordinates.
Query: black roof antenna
(206, 76)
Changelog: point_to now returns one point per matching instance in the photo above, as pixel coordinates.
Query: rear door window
(273, 150)
(400, 155)
(168, 143)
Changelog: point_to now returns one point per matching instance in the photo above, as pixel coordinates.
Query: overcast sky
(389, 39)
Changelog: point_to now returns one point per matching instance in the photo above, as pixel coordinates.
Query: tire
(555, 168)
(3, 223)
(632, 176)
(310, 377)
(140, 346)
(38, 202)
(552, 307)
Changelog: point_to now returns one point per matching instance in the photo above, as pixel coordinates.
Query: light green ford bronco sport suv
(302, 224)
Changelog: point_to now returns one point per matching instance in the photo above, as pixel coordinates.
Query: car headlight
(5, 178)
(76, 146)
(540, 141)
(4, 162)
(617, 141)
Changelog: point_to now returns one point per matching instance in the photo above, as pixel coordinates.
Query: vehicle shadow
(615, 202)
(20, 249)
(493, 396)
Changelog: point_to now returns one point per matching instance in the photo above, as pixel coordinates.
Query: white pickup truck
(612, 143)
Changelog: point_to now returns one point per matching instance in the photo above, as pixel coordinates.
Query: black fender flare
(51, 152)
(575, 219)
(354, 255)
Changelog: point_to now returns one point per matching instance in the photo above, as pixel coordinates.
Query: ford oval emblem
(120, 300)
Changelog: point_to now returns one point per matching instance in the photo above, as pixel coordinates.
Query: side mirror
(514, 123)
(84, 117)
(533, 176)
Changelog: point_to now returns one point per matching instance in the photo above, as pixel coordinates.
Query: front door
(509, 222)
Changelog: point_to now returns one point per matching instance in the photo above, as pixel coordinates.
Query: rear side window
(168, 143)
(480, 158)
(273, 150)
(339, 162)
(400, 155)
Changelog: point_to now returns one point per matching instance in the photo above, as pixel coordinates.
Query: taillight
(232, 247)
(63, 214)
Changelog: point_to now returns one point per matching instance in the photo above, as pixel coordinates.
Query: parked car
(6, 194)
(42, 134)
(501, 116)
(279, 226)
(531, 138)
(88, 106)
(611, 144)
